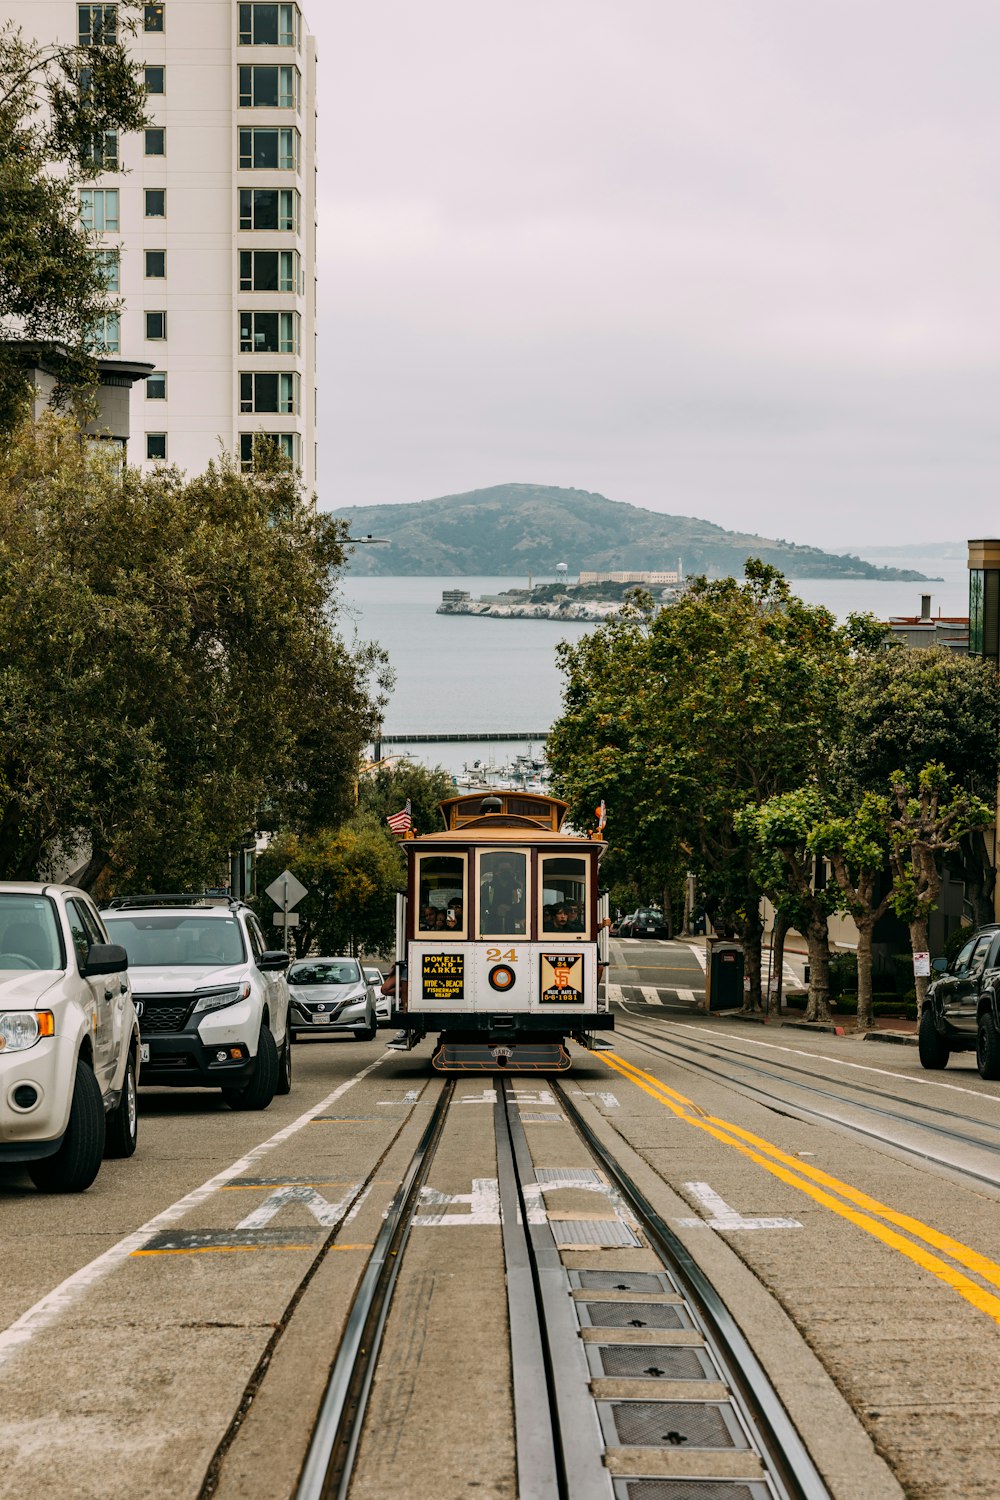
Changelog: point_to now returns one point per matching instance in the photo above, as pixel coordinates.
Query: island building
(672, 576)
(205, 223)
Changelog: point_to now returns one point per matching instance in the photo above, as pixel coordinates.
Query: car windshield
(325, 971)
(167, 940)
(29, 934)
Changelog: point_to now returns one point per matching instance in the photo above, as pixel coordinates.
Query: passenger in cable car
(502, 894)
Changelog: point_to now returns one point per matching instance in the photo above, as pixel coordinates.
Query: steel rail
(326, 1473)
(804, 1112)
(791, 1467)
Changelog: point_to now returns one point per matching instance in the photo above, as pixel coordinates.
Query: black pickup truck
(962, 1009)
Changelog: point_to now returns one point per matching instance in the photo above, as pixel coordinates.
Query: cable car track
(807, 1113)
(574, 1427)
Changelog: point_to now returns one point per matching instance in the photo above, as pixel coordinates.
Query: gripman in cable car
(502, 936)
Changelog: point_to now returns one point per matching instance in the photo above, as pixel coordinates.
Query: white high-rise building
(209, 234)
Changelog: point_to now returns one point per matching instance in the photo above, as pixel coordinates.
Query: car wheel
(934, 1050)
(77, 1162)
(285, 1066)
(122, 1124)
(367, 1033)
(261, 1089)
(988, 1048)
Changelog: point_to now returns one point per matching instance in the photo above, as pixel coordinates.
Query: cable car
(501, 936)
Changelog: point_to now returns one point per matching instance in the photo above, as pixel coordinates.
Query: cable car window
(441, 895)
(564, 895)
(503, 886)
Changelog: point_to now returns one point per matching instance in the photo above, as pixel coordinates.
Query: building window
(269, 208)
(156, 265)
(274, 392)
(156, 386)
(156, 446)
(267, 87)
(270, 271)
(269, 26)
(99, 209)
(156, 141)
(155, 201)
(152, 18)
(269, 332)
(96, 25)
(106, 335)
(101, 151)
(156, 325)
(269, 146)
(156, 80)
(109, 268)
(286, 443)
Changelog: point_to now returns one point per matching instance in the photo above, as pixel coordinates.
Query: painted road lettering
(326, 1214)
(721, 1216)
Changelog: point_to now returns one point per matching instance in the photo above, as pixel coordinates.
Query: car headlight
(21, 1029)
(218, 999)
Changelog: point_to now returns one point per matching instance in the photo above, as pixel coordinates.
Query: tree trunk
(818, 941)
(753, 931)
(686, 924)
(668, 911)
(866, 934)
(780, 932)
(87, 876)
(920, 943)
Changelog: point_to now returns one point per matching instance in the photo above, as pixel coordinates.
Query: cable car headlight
(21, 1029)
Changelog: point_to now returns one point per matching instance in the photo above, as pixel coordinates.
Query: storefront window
(503, 893)
(441, 896)
(563, 896)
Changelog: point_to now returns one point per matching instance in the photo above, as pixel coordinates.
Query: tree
(353, 873)
(169, 664)
(906, 709)
(719, 701)
(857, 846)
(781, 834)
(60, 107)
(385, 788)
(929, 820)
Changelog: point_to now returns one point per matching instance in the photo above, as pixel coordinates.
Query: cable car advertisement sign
(560, 978)
(442, 976)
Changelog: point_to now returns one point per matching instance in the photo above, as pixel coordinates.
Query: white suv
(212, 998)
(69, 1041)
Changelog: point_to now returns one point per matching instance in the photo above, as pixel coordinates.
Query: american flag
(400, 822)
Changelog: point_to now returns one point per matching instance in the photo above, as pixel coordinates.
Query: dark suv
(962, 1009)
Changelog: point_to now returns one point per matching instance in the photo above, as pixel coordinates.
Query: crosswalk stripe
(699, 953)
(614, 994)
(686, 995)
(649, 994)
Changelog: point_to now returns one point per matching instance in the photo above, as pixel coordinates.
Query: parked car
(69, 1038)
(383, 1003)
(648, 921)
(962, 1009)
(331, 995)
(212, 998)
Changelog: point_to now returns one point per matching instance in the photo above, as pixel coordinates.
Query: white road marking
(687, 996)
(608, 1100)
(483, 1201)
(488, 1096)
(534, 1096)
(410, 1097)
(614, 994)
(325, 1213)
(841, 1062)
(61, 1298)
(699, 953)
(721, 1216)
(650, 995)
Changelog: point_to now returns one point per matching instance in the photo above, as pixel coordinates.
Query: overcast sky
(736, 259)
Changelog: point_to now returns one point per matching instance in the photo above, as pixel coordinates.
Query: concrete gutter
(903, 1038)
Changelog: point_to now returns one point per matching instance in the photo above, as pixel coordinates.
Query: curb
(736, 1015)
(814, 1026)
(903, 1038)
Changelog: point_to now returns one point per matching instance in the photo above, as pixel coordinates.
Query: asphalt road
(169, 1332)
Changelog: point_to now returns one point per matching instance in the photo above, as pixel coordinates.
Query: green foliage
(386, 788)
(930, 818)
(843, 975)
(169, 664)
(353, 873)
(55, 102)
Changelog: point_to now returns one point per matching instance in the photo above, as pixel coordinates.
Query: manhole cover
(671, 1424)
(651, 1362)
(632, 1315)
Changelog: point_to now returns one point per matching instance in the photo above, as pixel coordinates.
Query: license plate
(650, 929)
(144, 1052)
(322, 1020)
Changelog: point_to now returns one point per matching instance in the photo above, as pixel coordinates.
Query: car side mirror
(939, 965)
(104, 958)
(274, 958)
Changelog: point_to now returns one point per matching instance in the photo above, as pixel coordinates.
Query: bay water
(464, 674)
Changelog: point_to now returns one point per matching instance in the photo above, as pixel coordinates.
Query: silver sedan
(331, 995)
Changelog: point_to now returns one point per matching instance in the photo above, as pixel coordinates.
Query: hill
(516, 529)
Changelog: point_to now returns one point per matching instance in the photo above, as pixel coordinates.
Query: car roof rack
(173, 898)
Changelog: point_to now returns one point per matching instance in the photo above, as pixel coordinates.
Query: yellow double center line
(851, 1204)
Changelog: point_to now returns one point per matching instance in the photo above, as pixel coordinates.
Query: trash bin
(725, 976)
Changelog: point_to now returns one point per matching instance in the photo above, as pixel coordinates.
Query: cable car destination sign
(442, 976)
